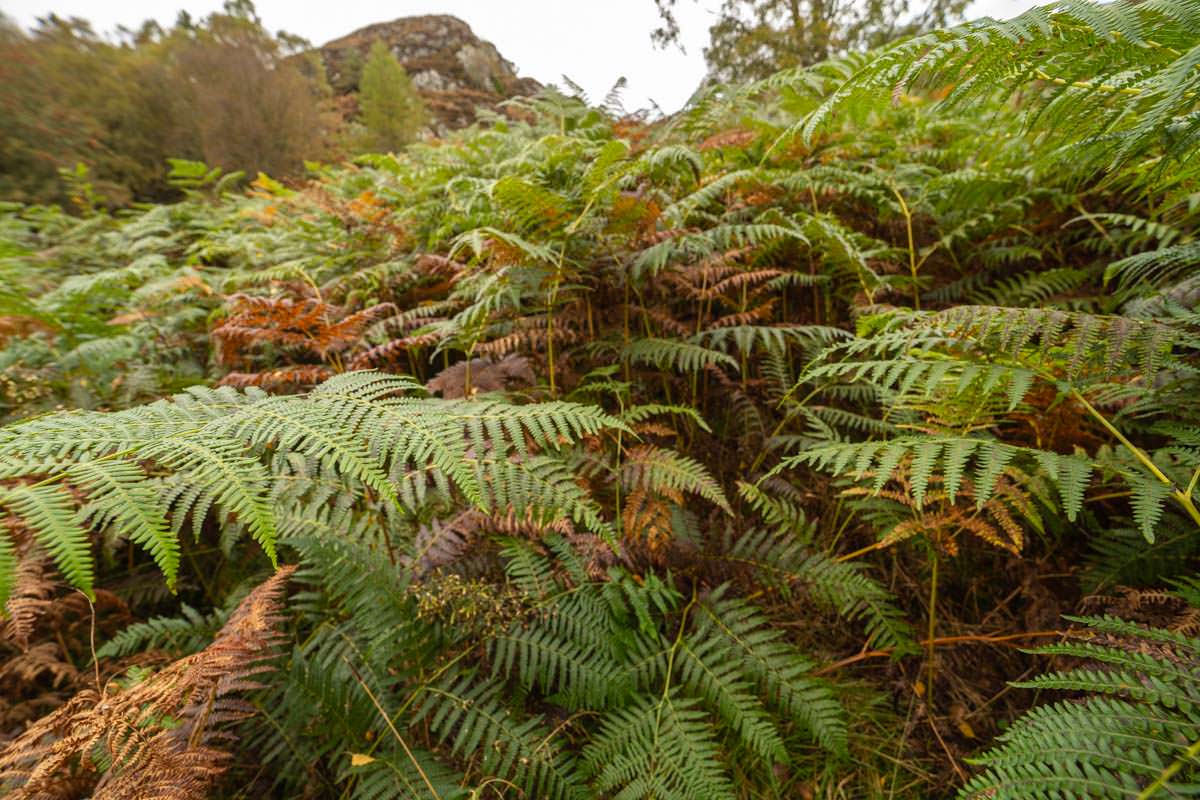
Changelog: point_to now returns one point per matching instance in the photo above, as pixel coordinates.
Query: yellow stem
(1184, 498)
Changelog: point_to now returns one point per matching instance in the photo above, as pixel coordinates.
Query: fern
(476, 722)
(1107, 85)
(1070, 473)
(658, 747)
(731, 632)
(1130, 737)
(670, 354)
(782, 562)
(225, 449)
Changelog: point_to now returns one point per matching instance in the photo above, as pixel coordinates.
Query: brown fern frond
(288, 378)
(442, 542)
(754, 316)
(382, 355)
(663, 320)
(646, 522)
(742, 281)
(530, 335)
(1158, 608)
(281, 321)
(692, 281)
(654, 428)
(348, 331)
(29, 597)
(118, 737)
(941, 519)
(736, 138)
(304, 324)
(40, 663)
(526, 524)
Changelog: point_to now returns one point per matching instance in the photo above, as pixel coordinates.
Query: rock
(453, 70)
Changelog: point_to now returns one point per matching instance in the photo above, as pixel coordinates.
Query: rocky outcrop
(454, 70)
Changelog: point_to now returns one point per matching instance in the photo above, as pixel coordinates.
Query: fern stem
(1191, 487)
(1169, 772)
(550, 301)
(618, 520)
(675, 649)
(625, 323)
(1091, 87)
(912, 250)
(931, 670)
(392, 728)
(1183, 498)
(886, 652)
(787, 417)
(861, 551)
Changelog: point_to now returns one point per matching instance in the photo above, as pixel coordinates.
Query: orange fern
(160, 737)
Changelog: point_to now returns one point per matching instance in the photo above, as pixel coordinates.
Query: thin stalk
(1184, 498)
(931, 670)
(625, 324)
(1160, 782)
(1092, 87)
(913, 266)
(392, 728)
(619, 520)
(550, 301)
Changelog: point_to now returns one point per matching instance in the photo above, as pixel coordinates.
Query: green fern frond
(118, 496)
(673, 354)
(50, 513)
(236, 451)
(732, 636)
(654, 469)
(658, 748)
(1130, 736)
(782, 562)
(185, 634)
(1155, 268)
(403, 775)
(467, 714)
(1070, 473)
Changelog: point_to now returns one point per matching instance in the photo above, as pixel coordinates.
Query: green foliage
(391, 111)
(232, 452)
(1109, 83)
(223, 90)
(627, 458)
(1131, 735)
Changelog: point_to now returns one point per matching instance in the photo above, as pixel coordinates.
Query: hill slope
(454, 70)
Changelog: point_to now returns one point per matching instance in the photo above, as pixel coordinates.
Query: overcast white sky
(593, 43)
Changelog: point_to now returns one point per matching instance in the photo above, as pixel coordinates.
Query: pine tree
(391, 110)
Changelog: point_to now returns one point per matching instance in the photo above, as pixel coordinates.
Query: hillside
(454, 71)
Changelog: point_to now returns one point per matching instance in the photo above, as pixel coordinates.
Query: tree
(248, 102)
(221, 89)
(392, 112)
(752, 39)
(46, 115)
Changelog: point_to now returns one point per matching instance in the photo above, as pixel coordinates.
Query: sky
(592, 43)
